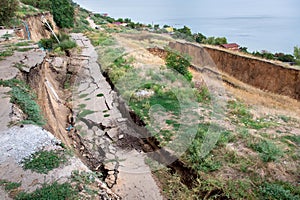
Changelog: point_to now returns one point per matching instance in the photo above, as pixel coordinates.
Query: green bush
(7, 10)
(44, 4)
(51, 43)
(63, 13)
(180, 64)
(66, 44)
(44, 161)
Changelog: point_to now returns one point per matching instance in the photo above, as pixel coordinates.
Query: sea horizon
(275, 28)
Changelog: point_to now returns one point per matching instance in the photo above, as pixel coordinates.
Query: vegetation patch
(267, 150)
(180, 64)
(9, 186)
(22, 96)
(274, 191)
(6, 53)
(50, 191)
(241, 114)
(84, 113)
(44, 161)
(52, 44)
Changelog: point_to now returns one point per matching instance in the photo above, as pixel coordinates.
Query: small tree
(199, 37)
(7, 10)
(185, 30)
(63, 13)
(297, 54)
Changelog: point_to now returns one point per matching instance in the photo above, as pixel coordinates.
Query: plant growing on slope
(180, 64)
(21, 95)
(63, 13)
(44, 161)
(7, 10)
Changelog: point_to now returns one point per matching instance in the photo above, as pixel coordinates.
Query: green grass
(24, 49)
(22, 96)
(273, 191)
(83, 96)
(6, 53)
(22, 44)
(8, 186)
(44, 161)
(203, 96)
(267, 150)
(84, 113)
(242, 115)
(20, 66)
(54, 191)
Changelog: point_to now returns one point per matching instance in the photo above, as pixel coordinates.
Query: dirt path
(102, 126)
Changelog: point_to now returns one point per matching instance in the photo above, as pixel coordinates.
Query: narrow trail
(103, 128)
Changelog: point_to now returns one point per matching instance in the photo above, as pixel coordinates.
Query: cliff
(36, 27)
(268, 76)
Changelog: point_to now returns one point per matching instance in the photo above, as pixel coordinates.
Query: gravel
(20, 142)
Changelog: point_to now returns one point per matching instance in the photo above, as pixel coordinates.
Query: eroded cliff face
(264, 75)
(36, 27)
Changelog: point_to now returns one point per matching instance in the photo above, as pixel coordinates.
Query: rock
(110, 180)
(113, 133)
(121, 136)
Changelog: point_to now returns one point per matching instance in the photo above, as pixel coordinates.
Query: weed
(85, 177)
(54, 191)
(268, 151)
(20, 66)
(23, 43)
(8, 186)
(203, 96)
(44, 161)
(6, 53)
(285, 118)
(83, 96)
(292, 138)
(84, 113)
(273, 191)
(81, 106)
(106, 115)
(24, 49)
(241, 114)
(100, 95)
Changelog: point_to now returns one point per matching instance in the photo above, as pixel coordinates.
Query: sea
(271, 25)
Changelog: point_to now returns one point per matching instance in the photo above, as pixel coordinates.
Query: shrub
(63, 13)
(7, 10)
(51, 43)
(44, 4)
(180, 64)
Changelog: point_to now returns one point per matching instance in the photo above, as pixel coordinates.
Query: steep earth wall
(264, 75)
(36, 27)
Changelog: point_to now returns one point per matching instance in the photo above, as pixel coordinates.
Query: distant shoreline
(257, 32)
